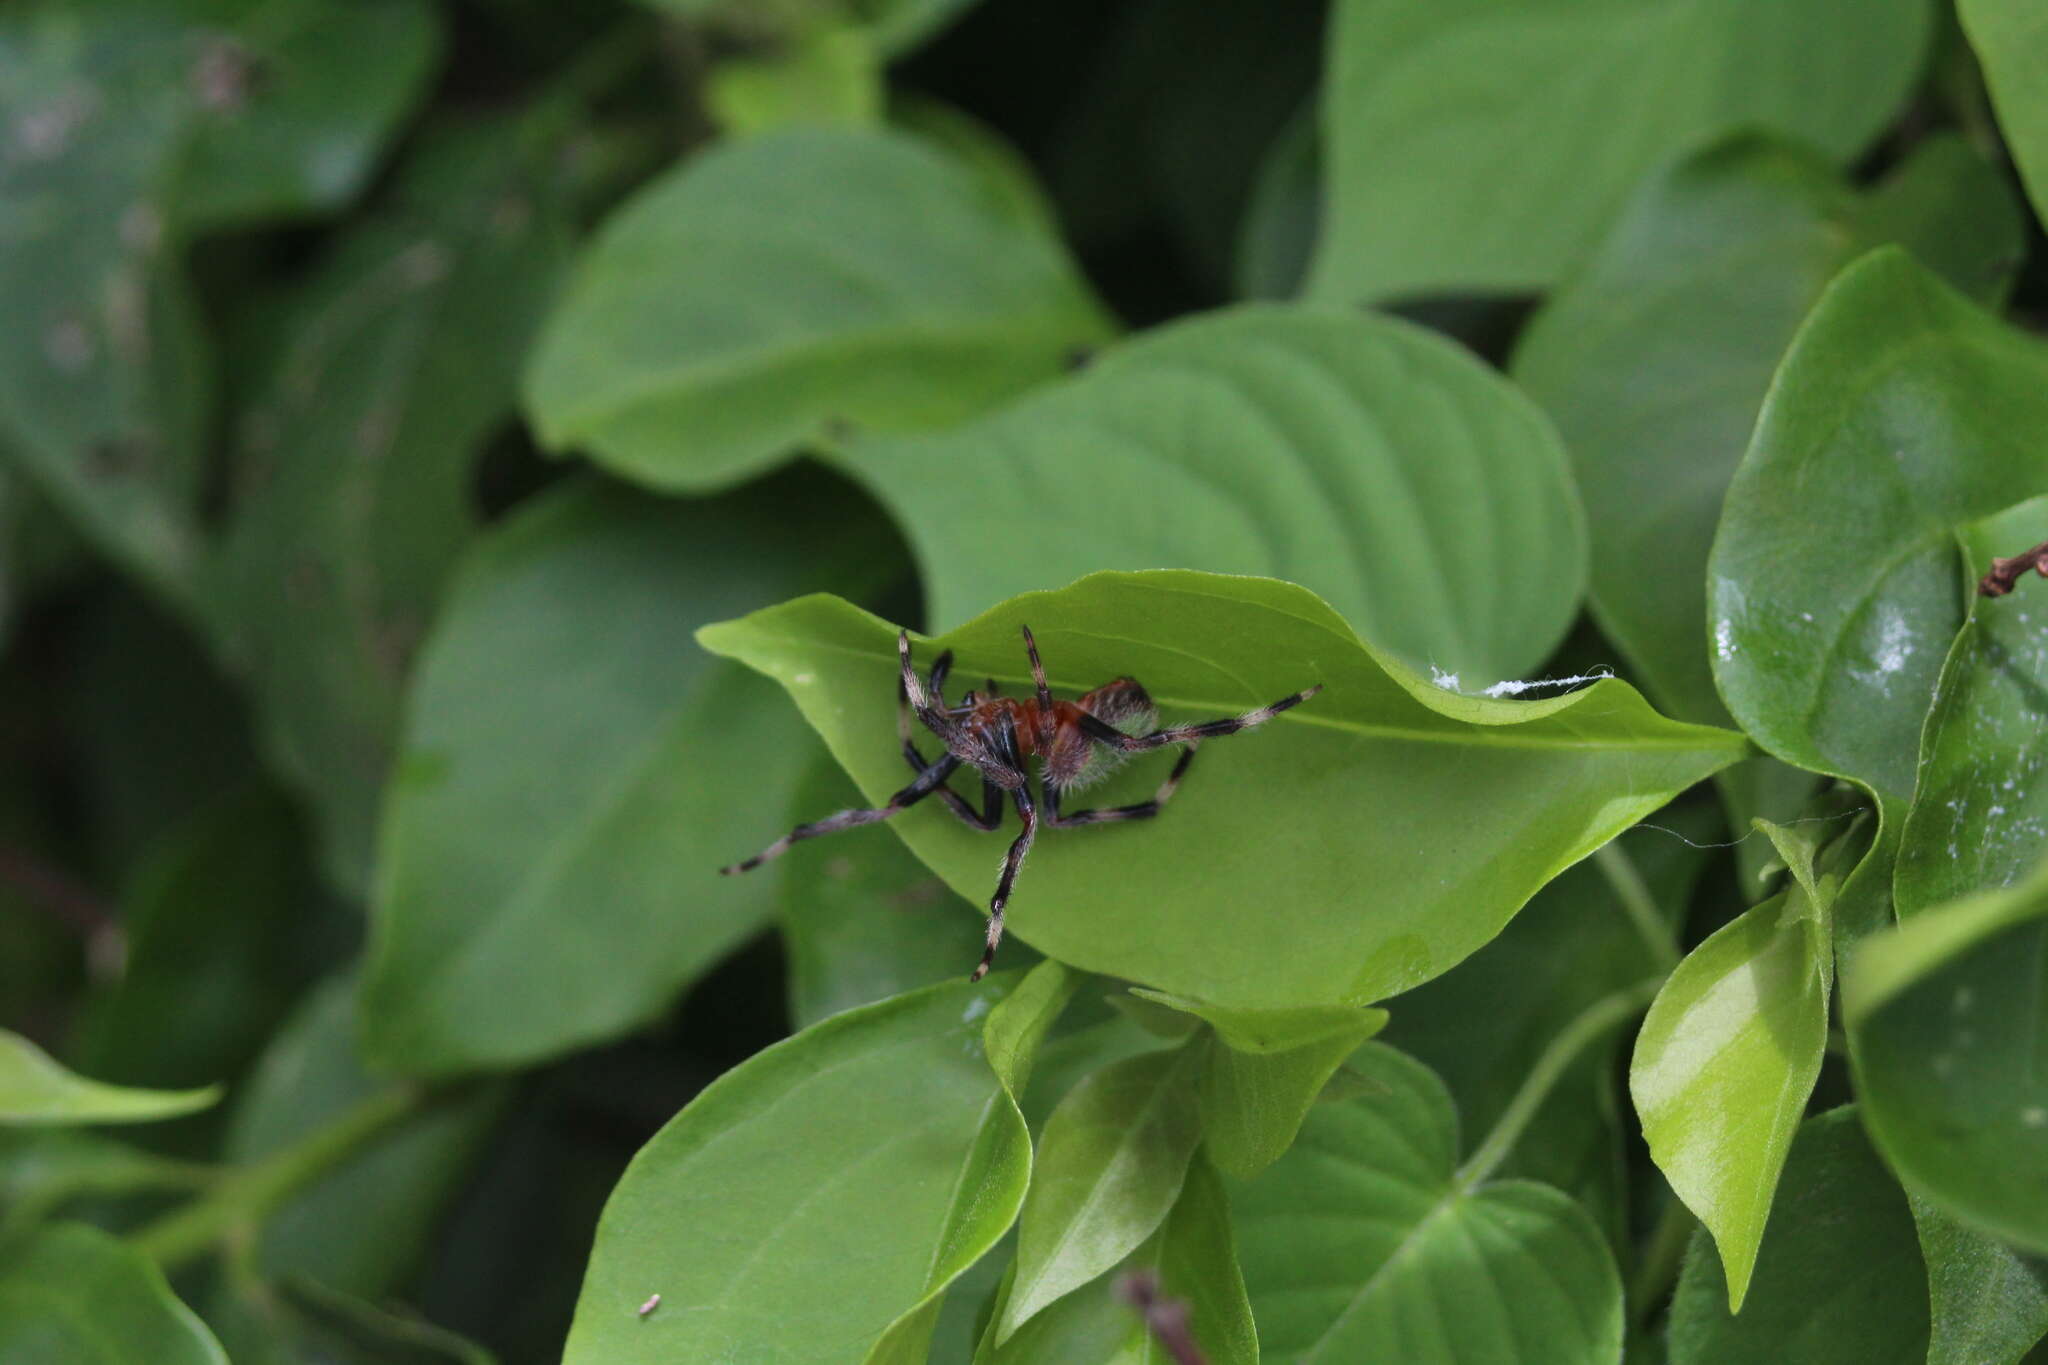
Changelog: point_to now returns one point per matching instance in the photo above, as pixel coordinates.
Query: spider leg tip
(978, 973)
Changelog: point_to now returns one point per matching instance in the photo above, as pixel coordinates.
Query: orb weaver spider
(1076, 743)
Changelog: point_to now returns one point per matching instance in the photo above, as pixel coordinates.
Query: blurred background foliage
(311, 309)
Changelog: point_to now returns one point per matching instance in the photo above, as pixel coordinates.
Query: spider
(1076, 743)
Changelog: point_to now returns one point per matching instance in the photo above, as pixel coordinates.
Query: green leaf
(1727, 1058)
(1601, 926)
(1989, 1303)
(1448, 128)
(774, 290)
(831, 76)
(1978, 814)
(1655, 359)
(1907, 412)
(303, 1323)
(75, 1296)
(34, 1089)
(2010, 37)
(396, 359)
(1195, 1258)
(895, 26)
(105, 381)
(1363, 457)
(1359, 845)
(44, 1170)
(1362, 1243)
(881, 1132)
(1278, 237)
(863, 919)
(363, 1225)
(1109, 1168)
(1263, 1071)
(1945, 1017)
(563, 835)
(1839, 1280)
(301, 97)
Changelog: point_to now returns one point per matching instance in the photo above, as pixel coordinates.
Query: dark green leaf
(34, 1089)
(1363, 1244)
(399, 356)
(572, 779)
(1989, 1302)
(812, 1196)
(302, 1323)
(364, 1224)
(104, 378)
(1839, 1280)
(1278, 238)
(776, 289)
(1359, 845)
(301, 97)
(42, 1170)
(1363, 457)
(1109, 1167)
(75, 1296)
(1946, 1018)
(1654, 360)
(1449, 127)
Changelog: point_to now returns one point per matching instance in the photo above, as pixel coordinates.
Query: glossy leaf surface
(775, 290)
(551, 828)
(882, 1132)
(1362, 457)
(2010, 37)
(1383, 830)
(1839, 1280)
(1655, 359)
(72, 1295)
(1363, 1244)
(1447, 126)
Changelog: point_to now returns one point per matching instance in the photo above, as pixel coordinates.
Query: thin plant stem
(1657, 1271)
(1637, 902)
(1595, 1022)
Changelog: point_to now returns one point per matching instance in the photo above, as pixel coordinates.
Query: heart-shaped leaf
(1655, 359)
(572, 779)
(812, 1196)
(1839, 1280)
(1363, 1244)
(1448, 126)
(73, 1294)
(1361, 843)
(1945, 1018)
(1363, 457)
(775, 289)
(35, 1089)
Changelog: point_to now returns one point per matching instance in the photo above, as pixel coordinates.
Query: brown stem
(2005, 573)
(1166, 1318)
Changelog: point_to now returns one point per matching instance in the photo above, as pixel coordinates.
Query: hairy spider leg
(930, 780)
(1038, 679)
(1182, 734)
(991, 795)
(1012, 860)
(1142, 810)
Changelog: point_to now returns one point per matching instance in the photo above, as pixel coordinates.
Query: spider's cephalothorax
(1075, 742)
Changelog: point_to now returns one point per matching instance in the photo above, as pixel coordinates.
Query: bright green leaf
(1018, 1025)
(774, 290)
(34, 1089)
(364, 1224)
(1358, 845)
(1726, 1060)
(554, 829)
(1362, 1244)
(832, 76)
(104, 378)
(1195, 1258)
(2011, 41)
(1839, 1280)
(300, 97)
(75, 1296)
(1109, 1168)
(1449, 128)
(1655, 359)
(800, 1205)
(1946, 1018)
(1363, 457)
(396, 359)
